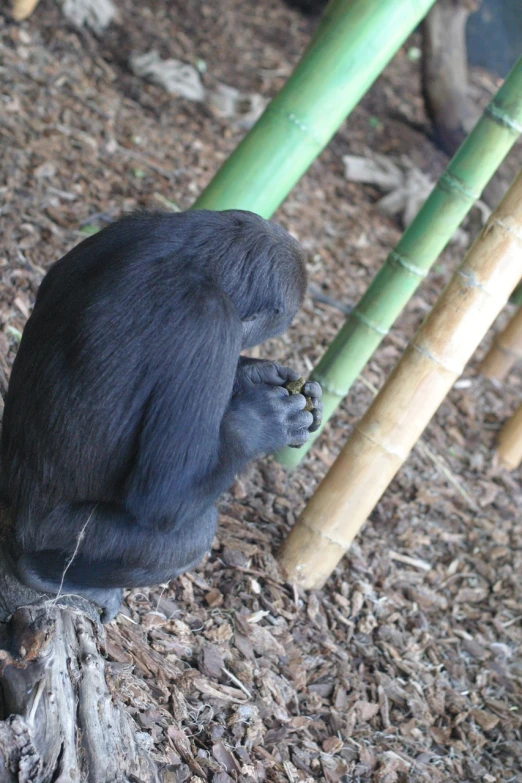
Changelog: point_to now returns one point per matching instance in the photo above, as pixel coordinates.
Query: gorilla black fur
(129, 408)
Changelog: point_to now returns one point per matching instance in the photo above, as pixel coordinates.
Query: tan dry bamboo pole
(509, 445)
(428, 369)
(505, 351)
(22, 9)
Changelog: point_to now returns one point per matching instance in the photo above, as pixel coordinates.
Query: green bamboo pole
(334, 73)
(408, 264)
(331, 13)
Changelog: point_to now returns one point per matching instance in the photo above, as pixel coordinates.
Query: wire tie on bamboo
(395, 258)
(429, 355)
(448, 181)
(366, 321)
(496, 113)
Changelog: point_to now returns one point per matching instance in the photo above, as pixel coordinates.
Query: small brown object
(295, 387)
(22, 9)
(509, 446)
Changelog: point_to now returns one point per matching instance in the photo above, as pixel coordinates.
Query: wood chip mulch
(407, 666)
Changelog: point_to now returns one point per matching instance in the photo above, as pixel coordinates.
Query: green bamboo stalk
(407, 265)
(331, 13)
(334, 73)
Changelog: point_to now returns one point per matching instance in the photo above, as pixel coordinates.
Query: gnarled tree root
(61, 722)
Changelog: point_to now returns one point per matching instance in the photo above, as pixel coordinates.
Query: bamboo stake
(428, 369)
(410, 261)
(505, 351)
(22, 9)
(329, 17)
(509, 446)
(351, 48)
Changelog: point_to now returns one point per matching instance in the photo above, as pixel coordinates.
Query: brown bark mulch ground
(396, 671)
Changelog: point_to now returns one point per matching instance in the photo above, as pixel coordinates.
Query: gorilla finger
(288, 374)
(295, 402)
(318, 407)
(268, 373)
(298, 438)
(283, 374)
(312, 389)
(317, 414)
(277, 391)
(304, 419)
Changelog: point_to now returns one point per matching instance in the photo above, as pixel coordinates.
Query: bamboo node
(366, 321)
(327, 386)
(381, 446)
(424, 351)
(498, 115)
(396, 258)
(511, 229)
(471, 281)
(321, 534)
(448, 181)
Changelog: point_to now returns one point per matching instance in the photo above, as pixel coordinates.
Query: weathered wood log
(445, 72)
(61, 722)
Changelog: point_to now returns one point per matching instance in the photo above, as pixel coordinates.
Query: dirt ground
(393, 672)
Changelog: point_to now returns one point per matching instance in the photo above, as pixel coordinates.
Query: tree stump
(61, 722)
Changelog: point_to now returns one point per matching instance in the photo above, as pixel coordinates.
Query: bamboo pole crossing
(409, 262)
(428, 369)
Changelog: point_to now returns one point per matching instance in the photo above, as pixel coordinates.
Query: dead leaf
(176, 77)
(94, 14)
(244, 108)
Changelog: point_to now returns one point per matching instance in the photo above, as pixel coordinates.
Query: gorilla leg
(134, 555)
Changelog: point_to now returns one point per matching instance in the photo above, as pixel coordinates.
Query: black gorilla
(129, 408)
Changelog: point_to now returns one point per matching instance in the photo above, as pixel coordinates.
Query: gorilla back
(129, 410)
